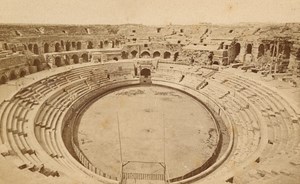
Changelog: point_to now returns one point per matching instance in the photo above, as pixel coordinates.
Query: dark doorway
(134, 53)
(75, 59)
(57, 47)
(85, 57)
(156, 54)
(145, 54)
(176, 56)
(68, 46)
(146, 72)
(35, 49)
(124, 55)
(58, 62)
(46, 48)
(167, 55)
(249, 49)
(78, 46)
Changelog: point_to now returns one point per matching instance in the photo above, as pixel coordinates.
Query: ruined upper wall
(190, 31)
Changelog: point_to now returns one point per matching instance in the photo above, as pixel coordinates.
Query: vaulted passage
(167, 55)
(145, 72)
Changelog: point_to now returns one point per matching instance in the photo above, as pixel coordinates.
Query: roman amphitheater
(136, 104)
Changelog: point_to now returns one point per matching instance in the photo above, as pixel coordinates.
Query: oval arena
(101, 104)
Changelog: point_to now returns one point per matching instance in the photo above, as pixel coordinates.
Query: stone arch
(145, 54)
(106, 43)
(133, 53)
(46, 48)
(36, 49)
(58, 61)
(261, 50)
(90, 45)
(215, 63)
(57, 47)
(38, 64)
(85, 57)
(75, 59)
(13, 75)
(78, 46)
(156, 54)
(68, 46)
(167, 55)
(30, 47)
(23, 72)
(176, 56)
(3, 79)
(117, 43)
(237, 49)
(146, 72)
(124, 55)
(249, 49)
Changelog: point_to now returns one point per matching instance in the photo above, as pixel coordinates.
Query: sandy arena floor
(156, 125)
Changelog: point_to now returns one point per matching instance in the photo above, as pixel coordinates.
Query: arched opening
(85, 57)
(145, 54)
(57, 47)
(167, 55)
(145, 72)
(124, 55)
(30, 47)
(68, 46)
(46, 48)
(106, 44)
(267, 47)
(5, 46)
(261, 50)
(237, 49)
(286, 52)
(58, 62)
(117, 43)
(176, 56)
(90, 45)
(25, 47)
(215, 63)
(156, 54)
(14, 48)
(13, 75)
(38, 64)
(115, 58)
(23, 73)
(35, 49)
(249, 49)
(75, 59)
(133, 53)
(3, 79)
(78, 46)
(101, 45)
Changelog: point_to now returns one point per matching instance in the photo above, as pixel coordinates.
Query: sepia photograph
(150, 92)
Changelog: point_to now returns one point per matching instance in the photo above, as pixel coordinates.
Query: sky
(148, 12)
